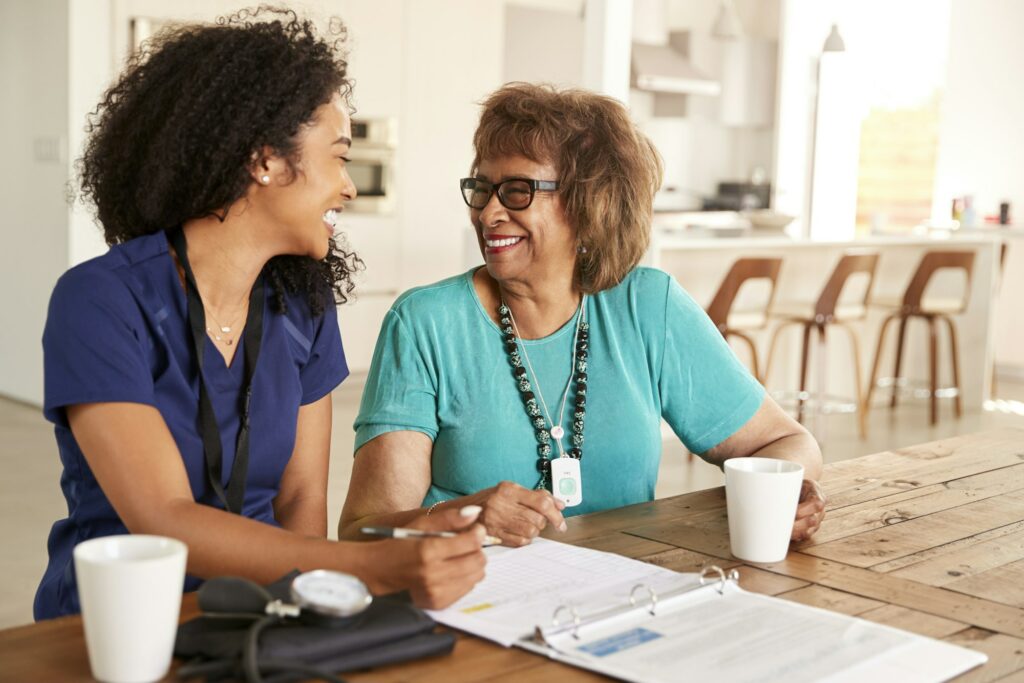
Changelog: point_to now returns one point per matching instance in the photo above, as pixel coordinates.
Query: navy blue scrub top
(117, 331)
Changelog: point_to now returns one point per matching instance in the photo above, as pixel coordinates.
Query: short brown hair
(608, 171)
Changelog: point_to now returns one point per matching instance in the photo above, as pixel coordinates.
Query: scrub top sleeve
(326, 367)
(706, 393)
(400, 392)
(94, 345)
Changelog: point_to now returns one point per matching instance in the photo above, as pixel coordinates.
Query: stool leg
(771, 350)
(901, 335)
(855, 346)
(804, 358)
(954, 352)
(753, 353)
(874, 370)
(820, 423)
(933, 370)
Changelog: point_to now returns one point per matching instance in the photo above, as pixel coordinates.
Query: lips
(499, 243)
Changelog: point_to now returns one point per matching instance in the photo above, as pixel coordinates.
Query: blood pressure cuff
(389, 631)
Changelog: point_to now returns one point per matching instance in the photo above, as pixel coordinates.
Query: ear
(267, 168)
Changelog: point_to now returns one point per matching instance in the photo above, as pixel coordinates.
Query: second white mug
(761, 496)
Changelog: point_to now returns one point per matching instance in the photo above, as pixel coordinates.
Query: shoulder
(106, 280)
(419, 303)
(643, 285)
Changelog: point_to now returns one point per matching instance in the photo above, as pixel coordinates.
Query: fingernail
(471, 511)
(563, 526)
(560, 504)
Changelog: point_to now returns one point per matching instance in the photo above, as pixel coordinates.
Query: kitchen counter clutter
(700, 263)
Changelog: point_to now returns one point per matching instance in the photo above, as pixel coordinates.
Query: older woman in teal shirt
(558, 347)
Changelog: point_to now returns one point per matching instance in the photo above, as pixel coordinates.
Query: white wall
(981, 135)
(34, 220)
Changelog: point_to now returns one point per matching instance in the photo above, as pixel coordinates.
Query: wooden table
(929, 539)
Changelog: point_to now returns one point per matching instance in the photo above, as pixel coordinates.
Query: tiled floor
(30, 498)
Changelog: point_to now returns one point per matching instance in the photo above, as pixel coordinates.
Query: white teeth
(331, 217)
(507, 242)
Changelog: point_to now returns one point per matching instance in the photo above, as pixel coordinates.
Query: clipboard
(668, 638)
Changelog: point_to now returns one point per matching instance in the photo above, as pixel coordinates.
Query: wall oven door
(372, 171)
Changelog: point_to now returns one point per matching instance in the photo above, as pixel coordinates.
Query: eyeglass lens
(513, 194)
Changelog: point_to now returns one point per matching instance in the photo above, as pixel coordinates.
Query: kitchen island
(700, 263)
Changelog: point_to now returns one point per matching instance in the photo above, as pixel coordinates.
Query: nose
(493, 212)
(348, 189)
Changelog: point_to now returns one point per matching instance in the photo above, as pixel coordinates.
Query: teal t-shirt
(441, 368)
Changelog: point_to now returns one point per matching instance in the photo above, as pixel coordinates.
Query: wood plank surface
(945, 568)
(890, 589)
(906, 505)
(890, 472)
(921, 533)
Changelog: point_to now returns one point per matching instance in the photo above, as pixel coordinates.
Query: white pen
(399, 532)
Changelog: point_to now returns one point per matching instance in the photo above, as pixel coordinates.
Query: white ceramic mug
(761, 496)
(130, 587)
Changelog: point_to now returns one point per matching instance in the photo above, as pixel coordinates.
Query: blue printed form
(619, 642)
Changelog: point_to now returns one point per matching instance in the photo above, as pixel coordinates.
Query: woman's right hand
(435, 571)
(516, 514)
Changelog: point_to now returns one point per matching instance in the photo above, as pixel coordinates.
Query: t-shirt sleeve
(327, 366)
(706, 393)
(400, 392)
(95, 345)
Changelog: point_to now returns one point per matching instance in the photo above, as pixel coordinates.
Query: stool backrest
(934, 261)
(742, 270)
(849, 264)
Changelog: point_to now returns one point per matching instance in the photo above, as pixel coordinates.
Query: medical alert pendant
(566, 482)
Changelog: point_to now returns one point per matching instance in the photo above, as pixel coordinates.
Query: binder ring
(650, 592)
(575, 619)
(717, 571)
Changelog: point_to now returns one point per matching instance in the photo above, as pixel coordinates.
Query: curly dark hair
(174, 137)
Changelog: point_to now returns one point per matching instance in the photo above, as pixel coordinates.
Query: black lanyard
(212, 450)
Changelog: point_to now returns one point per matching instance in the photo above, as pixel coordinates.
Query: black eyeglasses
(514, 194)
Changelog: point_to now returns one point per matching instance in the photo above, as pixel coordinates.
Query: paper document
(524, 586)
(716, 632)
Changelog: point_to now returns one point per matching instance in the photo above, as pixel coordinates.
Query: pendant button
(557, 432)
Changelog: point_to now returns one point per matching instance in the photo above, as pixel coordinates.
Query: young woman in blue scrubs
(188, 371)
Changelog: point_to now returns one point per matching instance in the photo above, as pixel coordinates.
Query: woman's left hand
(809, 512)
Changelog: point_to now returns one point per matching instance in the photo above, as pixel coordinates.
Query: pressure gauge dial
(330, 593)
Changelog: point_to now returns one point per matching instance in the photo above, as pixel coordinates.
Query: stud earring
(265, 179)
(581, 249)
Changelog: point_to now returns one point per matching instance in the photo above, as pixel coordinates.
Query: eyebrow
(343, 140)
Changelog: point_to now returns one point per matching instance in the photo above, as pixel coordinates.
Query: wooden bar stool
(914, 305)
(738, 323)
(827, 310)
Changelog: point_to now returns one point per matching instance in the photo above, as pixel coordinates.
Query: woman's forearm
(220, 543)
(800, 447)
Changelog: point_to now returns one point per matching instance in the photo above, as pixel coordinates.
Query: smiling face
(527, 246)
(303, 208)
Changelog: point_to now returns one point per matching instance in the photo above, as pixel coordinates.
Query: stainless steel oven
(372, 165)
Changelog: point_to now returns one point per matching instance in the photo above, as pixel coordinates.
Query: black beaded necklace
(533, 410)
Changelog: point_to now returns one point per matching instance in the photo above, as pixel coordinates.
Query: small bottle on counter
(1004, 213)
(968, 217)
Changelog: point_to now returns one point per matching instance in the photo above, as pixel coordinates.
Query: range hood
(665, 69)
